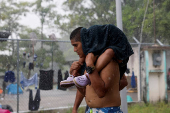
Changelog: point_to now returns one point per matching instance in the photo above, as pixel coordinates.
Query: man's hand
(75, 67)
(75, 73)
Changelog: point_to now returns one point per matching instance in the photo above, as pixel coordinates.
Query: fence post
(139, 76)
(52, 54)
(18, 76)
(120, 26)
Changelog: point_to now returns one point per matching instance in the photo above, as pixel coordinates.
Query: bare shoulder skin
(110, 76)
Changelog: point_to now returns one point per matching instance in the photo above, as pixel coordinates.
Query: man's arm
(75, 67)
(102, 83)
(78, 100)
(123, 82)
(103, 60)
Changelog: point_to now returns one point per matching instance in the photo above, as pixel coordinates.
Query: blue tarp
(12, 89)
(129, 98)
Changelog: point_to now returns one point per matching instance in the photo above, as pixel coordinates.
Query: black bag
(34, 104)
(46, 80)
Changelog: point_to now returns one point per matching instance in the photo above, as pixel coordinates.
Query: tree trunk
(42, 35)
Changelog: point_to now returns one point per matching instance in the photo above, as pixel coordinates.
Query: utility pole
(154, 21)
(120, 26)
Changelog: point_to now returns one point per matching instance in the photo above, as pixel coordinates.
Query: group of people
(99, 73)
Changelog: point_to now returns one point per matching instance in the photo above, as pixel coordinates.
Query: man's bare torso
(112, 97)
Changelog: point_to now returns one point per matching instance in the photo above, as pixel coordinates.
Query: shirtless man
(109, 97)
(103, 91)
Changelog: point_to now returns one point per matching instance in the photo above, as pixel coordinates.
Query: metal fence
(45, 55)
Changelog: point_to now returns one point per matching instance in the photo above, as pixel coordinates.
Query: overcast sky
(32, 20)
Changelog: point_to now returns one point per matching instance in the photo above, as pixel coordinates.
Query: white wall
(134, 62)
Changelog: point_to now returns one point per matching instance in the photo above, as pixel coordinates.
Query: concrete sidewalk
(49, 99)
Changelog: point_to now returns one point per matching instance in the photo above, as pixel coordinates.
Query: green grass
(80, 110)
(149, 108)
(136, 108)
(141, 108)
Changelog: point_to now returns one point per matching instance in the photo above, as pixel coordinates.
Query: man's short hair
(75, 34)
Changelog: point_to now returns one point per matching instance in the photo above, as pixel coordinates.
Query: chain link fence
(46, 63)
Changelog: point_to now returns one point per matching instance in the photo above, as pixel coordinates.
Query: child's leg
(102, 62)
(103, 59)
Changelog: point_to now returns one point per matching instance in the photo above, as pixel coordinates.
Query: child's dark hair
(75, 34)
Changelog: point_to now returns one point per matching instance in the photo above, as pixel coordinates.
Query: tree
(44, 54)
(97, 12)
(133, 21)
(89, 12)
(44, 12)
(10, 14)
